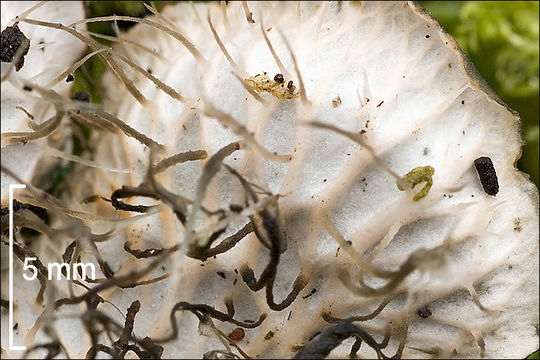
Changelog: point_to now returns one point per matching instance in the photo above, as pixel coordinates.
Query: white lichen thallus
(268, 221)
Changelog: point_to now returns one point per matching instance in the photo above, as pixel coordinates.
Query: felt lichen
(212, 200)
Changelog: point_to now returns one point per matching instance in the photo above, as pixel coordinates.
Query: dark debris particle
(236, 208)
(81, 96)
(237, 334)
(279, 78)
(487, 174)
(269, 335)
(27, 88)
(427, 36)
(380, 103)
(424, 312)
(70, 78)
(313, 291)
(221, 274)
(11, 39)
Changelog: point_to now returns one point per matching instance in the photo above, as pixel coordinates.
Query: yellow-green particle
(416, 176)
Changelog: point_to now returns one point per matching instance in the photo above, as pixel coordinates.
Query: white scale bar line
(11, 187)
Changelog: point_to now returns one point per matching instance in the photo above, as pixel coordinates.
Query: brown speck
(362, 131)
(517, 224)
(27, 88)
(70, 78)
(270, 28)
(349, 242)
(463, 132)
(184, 127)
(221, 274)
(237, 334)
(149, 70)
(380, 103)
(336, 102)
(449, 65)
(269, 335)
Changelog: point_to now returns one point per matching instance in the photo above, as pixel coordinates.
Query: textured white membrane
(383, 71)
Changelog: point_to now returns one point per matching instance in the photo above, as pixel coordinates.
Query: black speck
(11, 39)
(70, 78)
(424, 312)
(149, 70)
(313, 291)
(380, 103)
(221, 274)
(235, 208)
(81, 96)
(426, 151)
(487, 174)
(427, 36)
(235, 281)
(279, 78)
(27, 88)
(462, 102)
